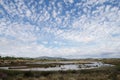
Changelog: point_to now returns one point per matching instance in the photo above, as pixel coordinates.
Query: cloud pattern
(62, 28)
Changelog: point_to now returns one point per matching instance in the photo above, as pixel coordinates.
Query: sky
(60, 28)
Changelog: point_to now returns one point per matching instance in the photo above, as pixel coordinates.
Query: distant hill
(50, 58)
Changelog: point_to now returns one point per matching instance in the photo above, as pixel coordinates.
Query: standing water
(63, 67)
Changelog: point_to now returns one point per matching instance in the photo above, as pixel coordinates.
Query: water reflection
(62, 67)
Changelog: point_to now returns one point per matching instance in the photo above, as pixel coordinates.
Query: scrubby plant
(29, 74)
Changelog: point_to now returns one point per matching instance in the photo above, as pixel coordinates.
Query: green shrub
(29, 74)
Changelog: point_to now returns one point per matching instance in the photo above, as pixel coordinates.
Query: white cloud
(70, 1)
(21, 32)
(28, 13)
(94, 29)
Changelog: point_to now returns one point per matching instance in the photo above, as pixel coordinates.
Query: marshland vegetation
(101, 73)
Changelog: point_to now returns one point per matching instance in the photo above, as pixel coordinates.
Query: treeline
(13, 58)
